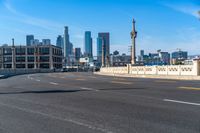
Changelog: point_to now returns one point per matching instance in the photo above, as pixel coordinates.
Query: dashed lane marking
(165, 81)
(181, 102)
(189, 88)
(80, 79)
(117, 82)
(89, 89)
(53, 83)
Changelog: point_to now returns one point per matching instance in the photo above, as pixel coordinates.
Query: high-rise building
(70, 48)
(99, 50)
(103, 42)
(182, 55)
(164, 58)
(66, 45)
(46, 42)
(88, 44)
(35, 42)
(59, 42)
(29, 38)
(141, 52)
(77, 53)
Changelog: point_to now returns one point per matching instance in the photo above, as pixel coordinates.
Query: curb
(151, 76)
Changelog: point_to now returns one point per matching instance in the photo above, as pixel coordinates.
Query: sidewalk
(151, 76)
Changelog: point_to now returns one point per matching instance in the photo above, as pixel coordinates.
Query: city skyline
(174, 26)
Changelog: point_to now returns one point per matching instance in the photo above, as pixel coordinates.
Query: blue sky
(161, 24)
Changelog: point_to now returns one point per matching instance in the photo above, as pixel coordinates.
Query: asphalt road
(87, 103)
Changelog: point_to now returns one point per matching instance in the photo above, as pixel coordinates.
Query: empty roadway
(88, 103)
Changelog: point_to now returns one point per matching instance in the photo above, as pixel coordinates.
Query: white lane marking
(89, 89)
(182, 102)
(37, 80)
(93, 127)
(53, 83)
(29, 77)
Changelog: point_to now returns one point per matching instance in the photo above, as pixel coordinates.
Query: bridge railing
(190, 70)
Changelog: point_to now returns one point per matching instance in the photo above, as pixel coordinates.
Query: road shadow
(66, 91)
(41, 92)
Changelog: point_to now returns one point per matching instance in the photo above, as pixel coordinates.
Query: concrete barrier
(13, 72)
(174, 70)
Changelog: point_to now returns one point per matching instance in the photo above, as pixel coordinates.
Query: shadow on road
(42, 92)
(65, 91)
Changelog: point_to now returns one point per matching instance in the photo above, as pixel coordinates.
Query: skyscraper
(59, 42)
(46, 42)
(29, 38)
(70, 48)
(104, 39)
(99, 50)
(66, 45)
(77, 52)
(88, 44)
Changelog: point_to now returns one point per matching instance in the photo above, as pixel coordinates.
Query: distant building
(71, 49)
(60, 42)
(30, 57)
(77, 52)
(164, 58)
(141, 56)
(66, 45)
(182, 55)
(46, 42)
(116, 52)
(103, 42)
(99, 51)
(68, 48)
(179, 57)
(35, 42)
(159, 58)
(29, 38)
(88, 45)
(141, 52)
(120, 60)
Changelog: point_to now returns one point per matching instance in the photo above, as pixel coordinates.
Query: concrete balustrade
(176, 70)
(13, 72)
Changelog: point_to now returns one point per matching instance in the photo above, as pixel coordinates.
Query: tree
(116, 52)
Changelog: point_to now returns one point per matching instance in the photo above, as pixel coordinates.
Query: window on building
(7, 51)
(31, 59)
(44, 58)
(30, 51)
(20, 59)
(44, 51)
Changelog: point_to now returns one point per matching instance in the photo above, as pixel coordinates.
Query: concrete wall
(184, 70)
(12, 72)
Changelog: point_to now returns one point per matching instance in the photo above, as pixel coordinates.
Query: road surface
(87, 103)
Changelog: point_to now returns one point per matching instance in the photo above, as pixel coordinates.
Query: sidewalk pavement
(151, 76)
